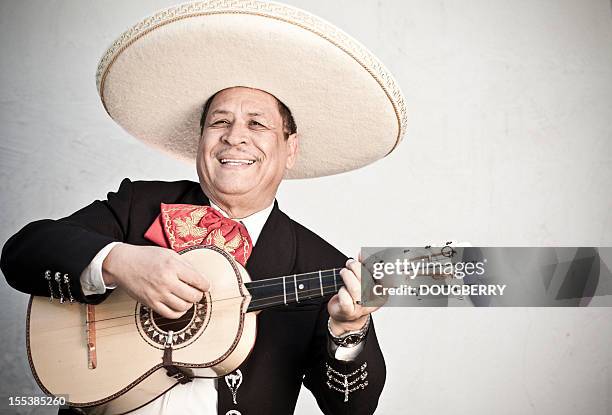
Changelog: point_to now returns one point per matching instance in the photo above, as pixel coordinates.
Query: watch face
(352, 339)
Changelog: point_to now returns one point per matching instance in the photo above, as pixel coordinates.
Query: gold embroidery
(231, 246)
(217, 239)
(174, 244)
(189, 226)
(246, 249)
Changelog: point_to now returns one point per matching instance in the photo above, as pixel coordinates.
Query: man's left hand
(345, 309)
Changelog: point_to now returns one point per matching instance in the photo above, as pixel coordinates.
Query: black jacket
(291, 346)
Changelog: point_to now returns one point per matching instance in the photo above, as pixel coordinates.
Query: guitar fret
(332, 289)
(335, 285)
(324, 287)
(302, 280)
(321, 283)
(284, 291)
(295, 287)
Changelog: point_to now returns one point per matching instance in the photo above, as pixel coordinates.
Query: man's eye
(220, 122)
(257, 124)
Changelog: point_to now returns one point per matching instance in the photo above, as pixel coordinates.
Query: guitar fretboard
(293, 288)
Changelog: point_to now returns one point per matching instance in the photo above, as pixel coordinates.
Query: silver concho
(233, 382)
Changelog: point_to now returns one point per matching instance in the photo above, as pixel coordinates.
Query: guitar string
(421, 258)
(338, 284)
(332, 270)
(185, 319)
(179, 320)
(182, 320)
(254, 286)
(335, 271)
(251, 285)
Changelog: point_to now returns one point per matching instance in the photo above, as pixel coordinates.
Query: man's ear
(292, 150)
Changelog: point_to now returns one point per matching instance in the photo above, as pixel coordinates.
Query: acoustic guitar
(119, 355)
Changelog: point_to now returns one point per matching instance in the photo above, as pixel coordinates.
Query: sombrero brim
(154, 80)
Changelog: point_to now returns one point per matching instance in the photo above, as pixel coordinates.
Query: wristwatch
(351, 338)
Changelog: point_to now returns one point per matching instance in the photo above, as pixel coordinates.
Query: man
(242, 157)
(248, 144)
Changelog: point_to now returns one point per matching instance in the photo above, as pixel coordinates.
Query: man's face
(243, 153)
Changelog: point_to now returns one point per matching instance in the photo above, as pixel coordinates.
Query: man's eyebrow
(225, 112)
(219, 112)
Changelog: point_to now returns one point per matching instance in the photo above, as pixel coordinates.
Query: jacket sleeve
(345, 387)
(65, 247)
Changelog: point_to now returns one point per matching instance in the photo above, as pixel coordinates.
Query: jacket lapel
(274, 253)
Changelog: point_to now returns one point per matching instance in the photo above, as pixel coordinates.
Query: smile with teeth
(237, 162)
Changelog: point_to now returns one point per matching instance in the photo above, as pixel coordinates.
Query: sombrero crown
(155, 78)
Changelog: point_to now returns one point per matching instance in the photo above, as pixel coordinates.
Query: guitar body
(112, 363)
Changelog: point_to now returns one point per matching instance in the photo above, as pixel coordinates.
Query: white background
(509, 143)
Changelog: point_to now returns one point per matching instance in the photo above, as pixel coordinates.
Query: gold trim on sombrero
(271, 10)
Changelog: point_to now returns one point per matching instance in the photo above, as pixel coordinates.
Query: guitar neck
(293, 288)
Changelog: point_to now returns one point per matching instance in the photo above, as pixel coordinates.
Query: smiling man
(246, 147)
(246, 143)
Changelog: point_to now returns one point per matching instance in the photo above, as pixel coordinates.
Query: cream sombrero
(154, 80)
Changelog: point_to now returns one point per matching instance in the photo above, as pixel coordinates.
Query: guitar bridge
(92, 357)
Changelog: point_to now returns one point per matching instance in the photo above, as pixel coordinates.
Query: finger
(192, 277)
(351, 283)
(354, 266)
(346, 303)
(187, 293)
(175, 303)
(164, 311)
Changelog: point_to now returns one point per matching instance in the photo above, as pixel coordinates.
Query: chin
(232, 188)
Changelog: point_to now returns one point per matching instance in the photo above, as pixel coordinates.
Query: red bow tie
(183, 226)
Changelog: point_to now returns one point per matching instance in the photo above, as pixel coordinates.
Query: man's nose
(237, 134)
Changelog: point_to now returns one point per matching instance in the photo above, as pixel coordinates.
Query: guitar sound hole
(167, 324)
(154, 328)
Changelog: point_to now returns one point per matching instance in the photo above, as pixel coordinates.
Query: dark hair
(289, 126)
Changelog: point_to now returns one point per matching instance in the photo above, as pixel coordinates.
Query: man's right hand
(157, 277)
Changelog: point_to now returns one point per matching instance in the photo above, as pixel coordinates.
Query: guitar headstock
(412, 270)
(438, 254)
